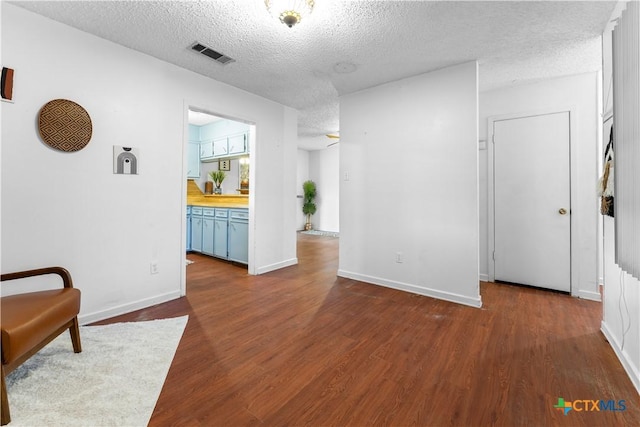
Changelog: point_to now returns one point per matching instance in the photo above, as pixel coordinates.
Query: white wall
(409, 150)
(69, 209)
(621, 311)
(324, 170)
(580, 95)
(302, 164)
(621, 292)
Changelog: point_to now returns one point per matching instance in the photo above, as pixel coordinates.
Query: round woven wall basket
(64, 125)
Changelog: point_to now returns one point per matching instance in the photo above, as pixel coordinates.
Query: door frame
(214, 110)
(573, 188)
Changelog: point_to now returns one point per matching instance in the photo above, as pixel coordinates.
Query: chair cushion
(29, 318)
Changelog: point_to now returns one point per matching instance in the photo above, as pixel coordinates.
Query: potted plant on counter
(217, 177)
(308, 202)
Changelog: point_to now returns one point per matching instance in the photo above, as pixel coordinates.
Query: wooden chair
(32, 320)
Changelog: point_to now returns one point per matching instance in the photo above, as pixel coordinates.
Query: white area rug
(115, 381)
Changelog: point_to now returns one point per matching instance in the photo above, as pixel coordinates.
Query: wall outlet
(154, 267)
(399, 257)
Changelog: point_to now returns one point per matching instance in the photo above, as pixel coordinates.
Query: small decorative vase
(308, 226)
(218, 190)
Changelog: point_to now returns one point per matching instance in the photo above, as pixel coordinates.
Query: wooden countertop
(195, 197)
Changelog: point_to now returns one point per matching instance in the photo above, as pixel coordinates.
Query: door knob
(562, 211)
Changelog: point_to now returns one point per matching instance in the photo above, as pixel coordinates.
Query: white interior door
(532, 197)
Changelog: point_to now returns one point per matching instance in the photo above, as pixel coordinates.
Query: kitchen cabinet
(229, 146)
(220, 147)
(219, 232)
(238, 144)
(208, 215)
(214, 149)
(239, 235)
(206, 150)
(220, 243)
(196, 229)
(188, 228)
(193, 160)
(207, 235)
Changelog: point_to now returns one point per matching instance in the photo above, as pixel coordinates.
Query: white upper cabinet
(221, 139)
(193, 160)
(238, 144)
(206, 150)
(220, 147)
(231, 146)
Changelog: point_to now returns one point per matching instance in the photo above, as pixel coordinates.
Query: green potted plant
(308, 204)
(217, 177)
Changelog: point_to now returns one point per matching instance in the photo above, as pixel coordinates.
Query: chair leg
(5, 415)
(74, 330)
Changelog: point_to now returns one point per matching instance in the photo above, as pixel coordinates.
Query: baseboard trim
(97, 316)
(277, 266)
(632, 371)
(483, 277)
(433, 293)
(590, 295)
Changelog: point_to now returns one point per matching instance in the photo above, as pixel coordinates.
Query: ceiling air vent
(216, 56)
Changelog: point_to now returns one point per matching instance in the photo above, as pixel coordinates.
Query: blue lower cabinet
(220, 243)
(207, 235)
(219, 232)
(239, 235)
(188, 228)
(208, 215)
(196, 229)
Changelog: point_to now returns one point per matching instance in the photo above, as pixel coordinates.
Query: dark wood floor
(300, 346)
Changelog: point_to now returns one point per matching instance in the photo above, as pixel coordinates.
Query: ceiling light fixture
(289, 12)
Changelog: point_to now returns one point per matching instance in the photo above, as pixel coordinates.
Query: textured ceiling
(303, 67)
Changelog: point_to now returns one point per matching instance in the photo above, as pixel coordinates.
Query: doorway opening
(218, 221)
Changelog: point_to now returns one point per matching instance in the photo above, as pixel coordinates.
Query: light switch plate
(224, 165)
